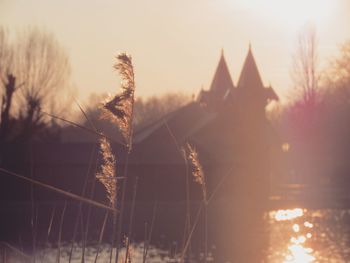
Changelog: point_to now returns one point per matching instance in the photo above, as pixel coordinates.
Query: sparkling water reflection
(296, 236)
(303, 236)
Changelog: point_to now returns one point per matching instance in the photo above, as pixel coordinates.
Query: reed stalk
(120, 222)
(199, 177)
(101, 235)
(107, 176)
(16, 250)
(149, 238)
(131, 217)
(86, 232)
(58, 190)
(120, 110)
(216, 189)
(205, 232)
(33, 210)
(80, 204)
(98, 134)
(60, 233)
(184, 157)
(49, 227)
(50, 224)
(145, 237)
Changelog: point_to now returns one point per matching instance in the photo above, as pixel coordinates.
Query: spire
(250, 77)
(222, 80)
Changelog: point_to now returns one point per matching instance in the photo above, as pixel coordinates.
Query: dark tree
(35, 74)
(305, 73)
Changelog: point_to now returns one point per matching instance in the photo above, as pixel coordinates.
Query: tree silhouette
(8, 82)
(35, 74)
(305, 73)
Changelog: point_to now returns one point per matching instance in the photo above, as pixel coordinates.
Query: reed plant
(198, 175)
(119, 109)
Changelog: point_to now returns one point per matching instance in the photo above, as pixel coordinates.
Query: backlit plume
(196, 168)
(119, 108)
(107, 173)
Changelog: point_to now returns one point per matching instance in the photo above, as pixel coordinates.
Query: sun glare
(293, 13)
(299, 253)
(297, 249)
(289, 214)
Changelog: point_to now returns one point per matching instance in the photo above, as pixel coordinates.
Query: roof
(250, 76)
(250, 83)
(222, 80)
(182, 122)
(221, 85)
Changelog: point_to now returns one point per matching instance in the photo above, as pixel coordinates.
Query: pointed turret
(221, 85)
(251, 94)
(250, 76)
(222, 81)
(250, 83)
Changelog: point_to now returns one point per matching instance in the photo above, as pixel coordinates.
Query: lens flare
(289, 214)
(298, 254)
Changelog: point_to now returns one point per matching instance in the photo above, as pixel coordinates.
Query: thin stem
(60, 191)
(60, 233)
(122, 206)
(188, 213)
(131, 216)
(222, 180)
(86, 116)
(16, 250)
(99, 134)
(50, 224)
(75, 230)
(150, 232)
(85, 236)
(145, 243)
(191, 233)
(113, 237)
(101, 235)
(206, 232)
(32, 221)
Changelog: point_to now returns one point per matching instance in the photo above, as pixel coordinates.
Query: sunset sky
(176, 44)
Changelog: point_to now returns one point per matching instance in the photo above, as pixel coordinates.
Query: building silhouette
(228, 127)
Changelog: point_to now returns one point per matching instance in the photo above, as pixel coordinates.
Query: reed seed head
(107, 174)
(119, 108)
(196, 168)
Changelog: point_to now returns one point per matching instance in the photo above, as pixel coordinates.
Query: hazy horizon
(176, 45)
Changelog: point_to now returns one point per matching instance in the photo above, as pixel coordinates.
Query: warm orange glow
(289, 214)
(295, 13)
(296, 228)
(308, 224)
(285, 147)
(298, 240)
(299, 254)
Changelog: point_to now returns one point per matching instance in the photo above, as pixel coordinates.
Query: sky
(176, 45)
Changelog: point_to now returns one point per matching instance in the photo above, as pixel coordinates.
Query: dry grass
(196, 168)
(119, 108)
(107, 174)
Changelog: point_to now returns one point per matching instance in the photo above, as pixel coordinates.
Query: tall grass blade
(60, 233)
(60, 191)
(101, 235)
